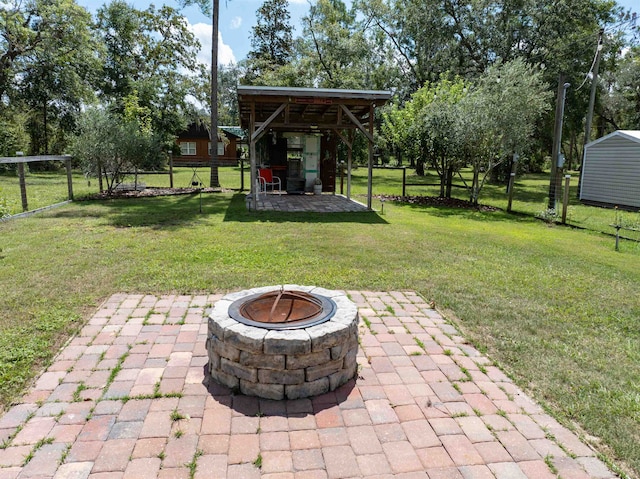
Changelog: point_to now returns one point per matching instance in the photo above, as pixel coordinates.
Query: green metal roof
(234, 130)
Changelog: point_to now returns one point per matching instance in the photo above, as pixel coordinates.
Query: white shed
(611, 170)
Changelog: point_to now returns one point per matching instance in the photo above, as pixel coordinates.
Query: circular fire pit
(283, 341)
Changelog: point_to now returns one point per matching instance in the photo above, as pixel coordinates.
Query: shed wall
(611, 173)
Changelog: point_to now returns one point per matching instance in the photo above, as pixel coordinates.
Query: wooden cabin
(195, 147)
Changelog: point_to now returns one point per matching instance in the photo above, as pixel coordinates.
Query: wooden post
(241, 174)
(69, 178)
(404, 182)
(23, 184)
(512, 179)
(23, 187)
(349, 162)
(170, 170)
(565, 201)
(252, 157)
(370, 172)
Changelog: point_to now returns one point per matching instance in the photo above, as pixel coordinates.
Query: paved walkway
(325, 203)
(126, 399)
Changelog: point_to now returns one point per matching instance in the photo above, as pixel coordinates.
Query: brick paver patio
(307, 203)
(127, 398)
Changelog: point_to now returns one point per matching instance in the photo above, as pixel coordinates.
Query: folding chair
(266, 178)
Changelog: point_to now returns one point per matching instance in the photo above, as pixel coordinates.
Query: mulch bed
(436, 201)
(149, 192)
(412, 200)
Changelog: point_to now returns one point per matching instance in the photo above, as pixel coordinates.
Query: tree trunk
(100, 184)
(214, 180)
(449, 175)
(44, 128)
(475, 185)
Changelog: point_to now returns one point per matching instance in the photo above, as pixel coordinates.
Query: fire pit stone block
(292, 341)
(279, 364)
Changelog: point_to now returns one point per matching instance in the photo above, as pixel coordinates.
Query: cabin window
(188, 148)
(220, 148)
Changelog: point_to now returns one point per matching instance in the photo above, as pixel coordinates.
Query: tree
(109, 145)
(426, 128)
(205, 7)
(498, 116)
(418, 35)
(334, 48)
(148, 52)
(48, 59)
(621, 106)
(271, 42)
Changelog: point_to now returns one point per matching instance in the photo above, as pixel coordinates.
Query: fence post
(512, 178)
(170, 170)
(23, 184)
(565, 201)
(404, 182)
(241, 174)
(67, 163)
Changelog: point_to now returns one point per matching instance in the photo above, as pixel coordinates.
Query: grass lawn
(557, 308)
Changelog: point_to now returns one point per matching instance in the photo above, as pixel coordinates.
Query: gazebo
(311, 111)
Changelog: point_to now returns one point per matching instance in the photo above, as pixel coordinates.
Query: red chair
(266, 178)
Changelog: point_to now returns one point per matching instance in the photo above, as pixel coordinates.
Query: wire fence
(530, 194)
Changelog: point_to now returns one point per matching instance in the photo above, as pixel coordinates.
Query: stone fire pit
(283, 363)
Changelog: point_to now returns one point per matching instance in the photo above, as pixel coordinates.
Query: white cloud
(202, 31)
(299, 2)
(236, 22)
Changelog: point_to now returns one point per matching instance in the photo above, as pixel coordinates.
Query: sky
(237, 17)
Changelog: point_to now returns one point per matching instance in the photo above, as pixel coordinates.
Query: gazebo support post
(347, 140)
(370, 176)
(369, 134)
(349, 164)
(252, 157)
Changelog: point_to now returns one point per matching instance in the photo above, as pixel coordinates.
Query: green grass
(556, 307)
(530, 192)
(50, 187)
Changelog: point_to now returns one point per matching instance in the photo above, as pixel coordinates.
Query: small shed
(610, 173)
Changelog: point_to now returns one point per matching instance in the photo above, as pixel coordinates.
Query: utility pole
(594, 84)
(592, 99)
(554, 182)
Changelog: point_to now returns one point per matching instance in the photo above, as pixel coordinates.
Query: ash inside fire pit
(281, 343)
(284, 309)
